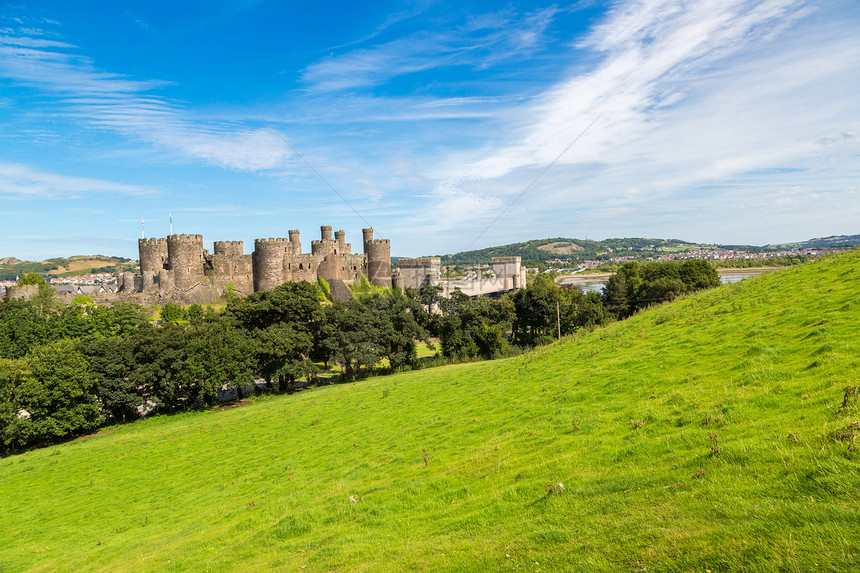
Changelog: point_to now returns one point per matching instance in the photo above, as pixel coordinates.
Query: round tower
(325, 232)
(128, 282)
(228, 248)
(378, 253)
(295, 243)
(268, 263)
(367, 236)
(340, 237)
(185, 259)
(153, 255)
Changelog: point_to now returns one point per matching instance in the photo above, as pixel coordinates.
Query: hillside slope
(10, 267)
(459, 468)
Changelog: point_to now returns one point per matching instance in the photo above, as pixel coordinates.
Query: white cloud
(692, 95)
(484, 41)
(113, 102)
(26, 182)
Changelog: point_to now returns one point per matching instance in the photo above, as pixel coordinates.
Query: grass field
(703, 435)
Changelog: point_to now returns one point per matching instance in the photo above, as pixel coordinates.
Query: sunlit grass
(458, 468)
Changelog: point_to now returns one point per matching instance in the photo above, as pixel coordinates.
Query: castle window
(301, 267)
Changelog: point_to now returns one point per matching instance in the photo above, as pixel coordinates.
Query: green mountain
(716, 433)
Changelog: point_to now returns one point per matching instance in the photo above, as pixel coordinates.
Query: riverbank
(603, 277)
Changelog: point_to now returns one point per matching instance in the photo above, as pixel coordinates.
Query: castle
(179, 268)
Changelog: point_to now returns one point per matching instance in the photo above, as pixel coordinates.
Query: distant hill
(10, 267)
(575, 249)
(832, 242)
(584, 249)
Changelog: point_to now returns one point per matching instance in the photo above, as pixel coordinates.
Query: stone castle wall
(178, 268)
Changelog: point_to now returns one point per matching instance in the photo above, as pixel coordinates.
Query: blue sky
(446, 126)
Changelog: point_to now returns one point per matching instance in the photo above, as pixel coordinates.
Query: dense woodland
(68, 369)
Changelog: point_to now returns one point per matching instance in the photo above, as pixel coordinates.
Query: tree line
(68, 369)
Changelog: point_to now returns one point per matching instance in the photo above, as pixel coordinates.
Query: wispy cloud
(691, 94)
(26, 182)
(482, 42)
(131, 107)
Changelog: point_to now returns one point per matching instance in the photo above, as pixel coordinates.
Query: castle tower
(229, 248)
(378, 253)
(268, 263)
(367, 236)
(153, 256)
(295, 243)
(185, 259)
(128, 282)
(325, 232)
(340, 237)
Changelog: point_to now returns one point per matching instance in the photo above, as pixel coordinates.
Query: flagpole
(142, 225)
(170, 215)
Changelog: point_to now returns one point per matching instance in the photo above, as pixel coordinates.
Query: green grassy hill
(10, 267)
(592, 454)
(575, 249)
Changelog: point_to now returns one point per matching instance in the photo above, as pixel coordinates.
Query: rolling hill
(10, 267)
(583, 249)
(715, 433)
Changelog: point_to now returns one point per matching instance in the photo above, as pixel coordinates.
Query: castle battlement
(229, 248)
(378, 242)
(151, 242)
(184, 238)
(270, 242)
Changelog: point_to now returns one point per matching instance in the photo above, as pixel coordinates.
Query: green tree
(111, 362)
(32, 279)
(217, 356)
(698, 274)
(52, 396)
(282, 352)
(621, 294)
(354, 340)
(22, 328)
(536, 312)
(172, 313)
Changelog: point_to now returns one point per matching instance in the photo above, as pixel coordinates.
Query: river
(589, 283)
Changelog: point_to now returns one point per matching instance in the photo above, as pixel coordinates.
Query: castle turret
(128, 282)
(268, 263)
(153, 256)
(325, 232)
(185, 259)
(378, 253)
(229, 248)
(295, 243)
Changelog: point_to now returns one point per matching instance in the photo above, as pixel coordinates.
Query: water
(587, 285)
